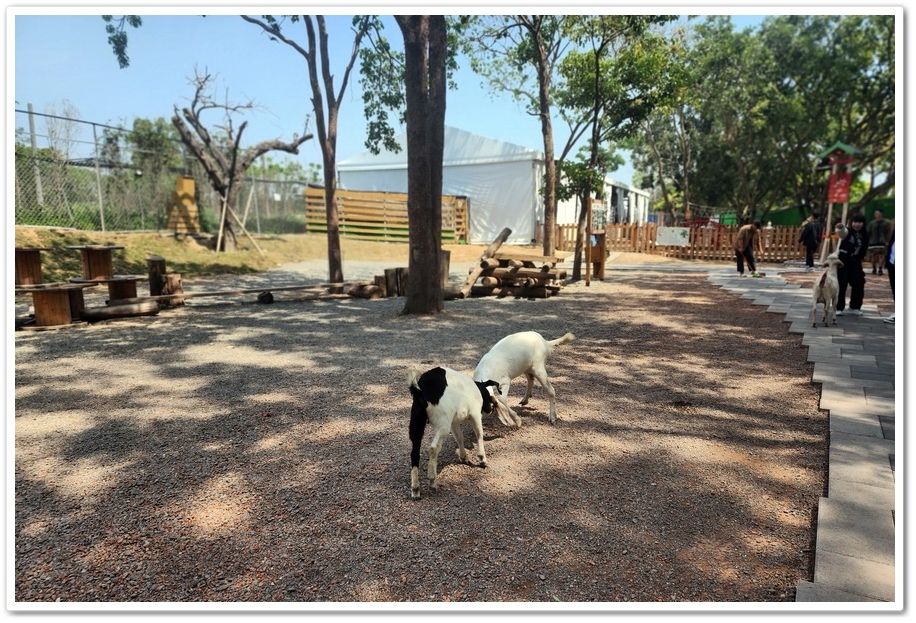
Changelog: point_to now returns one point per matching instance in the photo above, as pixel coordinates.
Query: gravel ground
(230, 451)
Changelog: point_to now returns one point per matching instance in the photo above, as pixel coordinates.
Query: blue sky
(63, 58)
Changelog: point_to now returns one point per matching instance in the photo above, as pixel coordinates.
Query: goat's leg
(541, 375)
(434, 446)
(530, 378)
(458, 434)
(814, 315)
(478, 430)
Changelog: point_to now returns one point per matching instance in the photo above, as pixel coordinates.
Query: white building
(502, 182)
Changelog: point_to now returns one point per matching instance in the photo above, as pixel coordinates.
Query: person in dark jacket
(852, 251)
(810, 236)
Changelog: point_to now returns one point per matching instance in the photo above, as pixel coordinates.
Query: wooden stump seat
(28, 265)
(56, 304)
(97, 260)
(119, 286)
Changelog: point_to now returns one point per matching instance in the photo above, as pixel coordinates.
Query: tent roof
(461, 148)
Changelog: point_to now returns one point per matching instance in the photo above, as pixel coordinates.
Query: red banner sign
(838, 190)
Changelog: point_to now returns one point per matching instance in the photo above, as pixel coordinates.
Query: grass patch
(190, 258)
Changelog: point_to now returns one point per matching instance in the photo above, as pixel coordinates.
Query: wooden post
(156, 269)
(403, 274)
(391, 282)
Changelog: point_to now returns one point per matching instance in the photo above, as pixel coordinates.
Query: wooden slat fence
(712, 244)
(381, 215)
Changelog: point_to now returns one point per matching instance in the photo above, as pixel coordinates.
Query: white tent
(501, 181)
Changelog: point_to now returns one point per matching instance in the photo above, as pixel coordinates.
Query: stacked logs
(519, 275)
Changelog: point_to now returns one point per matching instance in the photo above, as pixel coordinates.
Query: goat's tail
(821, 281)
(569, 337)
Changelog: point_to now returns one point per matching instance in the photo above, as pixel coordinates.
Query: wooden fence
(381, 215)
(713, 244)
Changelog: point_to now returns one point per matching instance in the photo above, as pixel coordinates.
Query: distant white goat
(826, 290)
(514, 355)
(446, 398)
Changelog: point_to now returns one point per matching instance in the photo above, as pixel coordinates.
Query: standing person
(853, 248)
(889, 265)
(746, 242)
(878, 232)
(810, 235)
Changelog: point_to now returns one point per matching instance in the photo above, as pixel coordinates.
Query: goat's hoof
(433, 485)
(414, 494)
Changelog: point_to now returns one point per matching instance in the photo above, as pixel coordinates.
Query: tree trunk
(550, 165)
(425, 86)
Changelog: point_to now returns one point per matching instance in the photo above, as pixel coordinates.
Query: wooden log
(488, 253)
(155, 266)
(537, 292)
(403, 274)
(391, 281)
(381, 284)
(554, 274)
(512, 263)
(487, 263)
(489, 282)
(190, 295)
(536, 259)
(366, 291)
(172, 286)
(145, 308)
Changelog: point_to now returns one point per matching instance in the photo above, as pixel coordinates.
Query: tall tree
(222, 157)
(326, 102)
(767, 102)
(518, 54)
(425, 82)
(616, 76)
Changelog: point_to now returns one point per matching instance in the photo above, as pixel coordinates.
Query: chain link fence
(90, 176)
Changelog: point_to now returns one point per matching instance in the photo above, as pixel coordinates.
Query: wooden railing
(381, 215)
(711, 244)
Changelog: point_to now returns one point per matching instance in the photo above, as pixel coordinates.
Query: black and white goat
(514, 355)
(446, 398)
(826, 290)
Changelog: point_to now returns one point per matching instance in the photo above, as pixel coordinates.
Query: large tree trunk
(425, 86)
(326, 126)
(550, 165)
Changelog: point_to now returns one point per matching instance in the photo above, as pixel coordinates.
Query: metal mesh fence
(87, 176)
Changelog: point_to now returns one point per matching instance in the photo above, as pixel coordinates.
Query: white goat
(826, 290)
(514, 355)
(446, 398)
